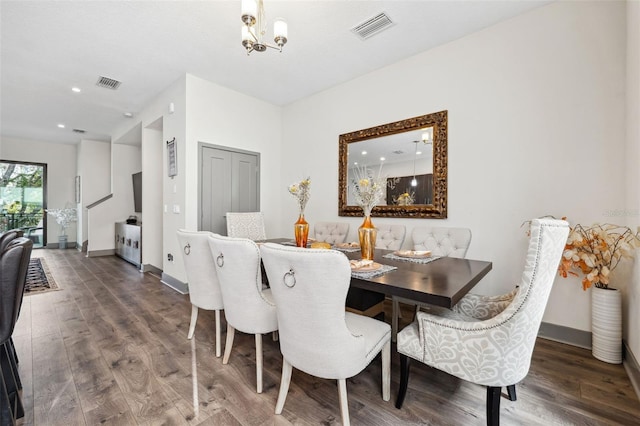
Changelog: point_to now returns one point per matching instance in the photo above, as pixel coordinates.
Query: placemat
(370, 274)
(411, 259)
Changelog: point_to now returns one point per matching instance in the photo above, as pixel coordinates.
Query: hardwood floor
(111, 348)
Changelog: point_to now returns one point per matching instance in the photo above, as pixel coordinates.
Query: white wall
(102, 218)
(94, 169)
(631, 294)
(152, 213)
(536, 127)
(61, 172)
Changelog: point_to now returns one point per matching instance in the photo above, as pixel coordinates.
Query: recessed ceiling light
(382, 158)
(61, 125)
(418, 152)
(75, 89)
(364, 152)
(128, 114)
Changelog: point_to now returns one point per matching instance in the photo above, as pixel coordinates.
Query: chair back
(310, 288)
(442, 241)
(14, 263)
(9, 236)
(246, 225)
(247, 307)
(522, 318)
(331, 232)
(204, 287)
(390, 237)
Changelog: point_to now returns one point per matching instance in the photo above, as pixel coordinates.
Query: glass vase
(367, 235)
(301, 231)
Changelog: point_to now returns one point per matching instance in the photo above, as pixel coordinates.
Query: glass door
(23, 199)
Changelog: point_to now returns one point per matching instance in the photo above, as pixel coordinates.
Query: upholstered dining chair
(246, 225)
(14, 263)
(204, 287)
(248, 307)
(331, 232)
(9, 236)
(489, 340)
(317, 336)
(390, 237)
(441, 241)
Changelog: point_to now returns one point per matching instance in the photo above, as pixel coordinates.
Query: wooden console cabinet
(129, 242)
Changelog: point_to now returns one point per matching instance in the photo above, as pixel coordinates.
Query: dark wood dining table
(441, 282)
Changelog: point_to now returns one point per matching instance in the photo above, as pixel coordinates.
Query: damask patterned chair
(246, 225)
(248, 307)
(489, 340)
(390, 237)
(317, 336)
(441, 241)
(331, 232)
(204, 287)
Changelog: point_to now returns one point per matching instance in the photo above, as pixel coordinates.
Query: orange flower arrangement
(595, 251)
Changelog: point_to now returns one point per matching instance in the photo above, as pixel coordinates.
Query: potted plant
(594, 252)
(63, 217)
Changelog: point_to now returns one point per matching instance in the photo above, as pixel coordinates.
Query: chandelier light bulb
(249, 10)
(280, 32)
(414, 182)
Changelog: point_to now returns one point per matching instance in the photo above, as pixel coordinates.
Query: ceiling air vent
(108, 83)
(372, 26)
(79, 131)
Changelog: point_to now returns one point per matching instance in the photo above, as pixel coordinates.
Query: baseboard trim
(151, 269)
(98, 253)
(175, 284)
(632, 367)
(562, 334)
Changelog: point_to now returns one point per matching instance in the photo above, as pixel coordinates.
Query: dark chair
(9, 236)
(14, 263)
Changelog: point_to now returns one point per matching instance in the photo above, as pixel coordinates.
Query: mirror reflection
(407, 161)
(411, 154)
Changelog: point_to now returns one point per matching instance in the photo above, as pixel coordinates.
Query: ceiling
(48, 47)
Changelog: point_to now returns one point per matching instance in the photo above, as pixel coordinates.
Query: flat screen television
(137, 192)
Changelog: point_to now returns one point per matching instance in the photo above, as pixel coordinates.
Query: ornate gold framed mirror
(413, 157)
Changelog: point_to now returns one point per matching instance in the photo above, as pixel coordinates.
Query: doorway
(229, 182)
(23, 199)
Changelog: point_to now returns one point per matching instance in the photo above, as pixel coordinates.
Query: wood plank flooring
(111, 348)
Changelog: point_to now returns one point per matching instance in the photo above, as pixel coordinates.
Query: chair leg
(395, 314)
(6, 408)
(229, 343)
(284, 385)
(404, 380)
(259, 362)
(13, 361)
(13, 409)
(493, 405)
(194, 319)
(511, 391)
(386, 372)
(218, 346)
(344, 403)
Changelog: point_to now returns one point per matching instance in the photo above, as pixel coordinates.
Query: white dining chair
(390, 237)
(246, 225)
(331, 232)
(489, 340)
(248, 307)
(317, 336)
(204, 287)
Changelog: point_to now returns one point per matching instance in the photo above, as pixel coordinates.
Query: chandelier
(255, 28)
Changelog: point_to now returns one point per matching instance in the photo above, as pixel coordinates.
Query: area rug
(39, 278)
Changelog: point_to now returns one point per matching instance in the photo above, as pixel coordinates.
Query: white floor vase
(606, 325)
